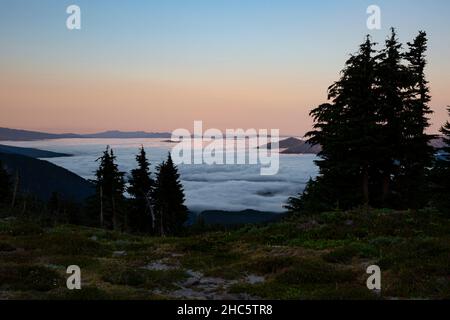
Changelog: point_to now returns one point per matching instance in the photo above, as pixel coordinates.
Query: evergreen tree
(54, 204)
(109, 198)
(5, 185)
(346, 129)
(171, 213)
(315, 198)
(445, 130)
(375, 150)
(393, 81)
(441, 173)
(418, 153)
(142, 218)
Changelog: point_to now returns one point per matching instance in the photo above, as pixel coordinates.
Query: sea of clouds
(207, 187)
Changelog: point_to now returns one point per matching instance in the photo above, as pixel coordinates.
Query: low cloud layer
(216, 187)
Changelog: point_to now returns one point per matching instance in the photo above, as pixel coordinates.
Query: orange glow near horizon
(161, 65)
(92, 105)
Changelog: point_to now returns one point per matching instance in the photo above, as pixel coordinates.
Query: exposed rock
(157, 266)
(199, 287)
(119, 253)
(194, 278)
(254, 279)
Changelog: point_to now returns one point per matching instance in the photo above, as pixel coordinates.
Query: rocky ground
(320, 257)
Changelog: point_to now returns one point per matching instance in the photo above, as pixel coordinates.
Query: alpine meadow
(318, 167)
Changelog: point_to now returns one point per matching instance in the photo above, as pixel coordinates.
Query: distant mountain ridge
(115, 134)
(7, 134)
(41, 178)
(31, 152)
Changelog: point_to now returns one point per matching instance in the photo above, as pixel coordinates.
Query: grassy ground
(320, 257)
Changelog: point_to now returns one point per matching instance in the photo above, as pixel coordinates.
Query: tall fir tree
(171, 213)
(393, 82)
(346, 129)
(445, 130)
(418, 153)
(5, 185)
(440, 175)
(109, 198)
(142, 218)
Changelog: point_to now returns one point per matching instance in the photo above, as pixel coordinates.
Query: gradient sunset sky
(160, 65)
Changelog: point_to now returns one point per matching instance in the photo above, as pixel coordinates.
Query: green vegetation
(323, 256)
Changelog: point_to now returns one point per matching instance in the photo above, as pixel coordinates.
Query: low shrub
(20, 228)
(6, 247)
(33, 277)
(313, 272)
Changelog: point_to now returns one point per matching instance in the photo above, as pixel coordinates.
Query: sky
(159, 65)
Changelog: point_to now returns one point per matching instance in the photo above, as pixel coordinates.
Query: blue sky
(295, 48)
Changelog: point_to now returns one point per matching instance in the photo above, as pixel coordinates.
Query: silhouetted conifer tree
(418, 154)
(441, 173)
(54, 204)
(314, 198)
(142, 218)
(5, 185)
(110, 186)
(393, 81)
(445, 130)
(375, 150)
(171, 213)
(346, 129)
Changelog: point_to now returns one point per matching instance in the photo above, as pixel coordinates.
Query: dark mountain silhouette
(295, 146)
(127, 135)
(41, 178)
(7, 134)
(25, 135)
(31, 152)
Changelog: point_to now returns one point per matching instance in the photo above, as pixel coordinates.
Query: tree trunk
(114, 215)
(24, 209)
(365, 185)
(161, 224)
(150, 209)
(16, 187)
(101, 207)
(386, 187)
